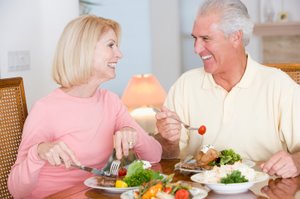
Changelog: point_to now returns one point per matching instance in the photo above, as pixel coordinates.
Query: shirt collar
(249, 74)
(245, 82)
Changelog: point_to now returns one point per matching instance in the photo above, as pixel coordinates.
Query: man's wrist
(170, 149)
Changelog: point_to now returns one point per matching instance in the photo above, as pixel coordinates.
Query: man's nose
(198, 46)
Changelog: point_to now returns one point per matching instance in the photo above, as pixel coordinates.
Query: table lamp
(143, 93)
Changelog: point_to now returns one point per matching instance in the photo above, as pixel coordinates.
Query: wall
(135, 42)
(165, 41)
(34, 26)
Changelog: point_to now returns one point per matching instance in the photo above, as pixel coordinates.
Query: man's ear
(237, 38)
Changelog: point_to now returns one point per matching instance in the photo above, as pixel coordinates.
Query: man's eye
(111, 45)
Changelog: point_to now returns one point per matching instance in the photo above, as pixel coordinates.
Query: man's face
(214, 48)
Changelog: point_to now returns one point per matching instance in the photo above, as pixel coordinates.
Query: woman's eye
(111, 45)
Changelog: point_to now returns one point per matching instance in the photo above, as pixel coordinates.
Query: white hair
(233, 14)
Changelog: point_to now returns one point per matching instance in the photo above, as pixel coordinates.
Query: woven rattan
(292, 69)
(13, 111)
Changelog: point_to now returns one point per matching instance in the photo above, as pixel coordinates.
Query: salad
(227, 156)
(164, 189)
(137, 173)
(228, 174)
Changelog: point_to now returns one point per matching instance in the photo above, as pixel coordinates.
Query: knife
(91, 170)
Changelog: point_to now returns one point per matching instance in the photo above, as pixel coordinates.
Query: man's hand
(125, 139)
(168, 127)
(57, 153)
(282, 164)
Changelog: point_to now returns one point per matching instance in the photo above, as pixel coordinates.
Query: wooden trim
(277, 29)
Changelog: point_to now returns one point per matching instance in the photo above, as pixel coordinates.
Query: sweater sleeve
(25, 172)
(147, 147)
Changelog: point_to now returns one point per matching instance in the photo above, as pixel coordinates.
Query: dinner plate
(92, 182)
(230, 188)
(247, 162)
(197, 193)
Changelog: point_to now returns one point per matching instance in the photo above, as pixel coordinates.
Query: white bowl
(230, 188)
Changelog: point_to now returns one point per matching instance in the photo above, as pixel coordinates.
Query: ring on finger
(130, 144)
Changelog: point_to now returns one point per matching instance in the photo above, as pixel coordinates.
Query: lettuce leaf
(226, 157)
(137, 175)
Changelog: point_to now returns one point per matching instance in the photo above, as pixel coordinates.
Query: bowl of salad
(230, 179)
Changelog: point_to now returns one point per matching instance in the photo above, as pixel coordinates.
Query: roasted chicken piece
(203, 159)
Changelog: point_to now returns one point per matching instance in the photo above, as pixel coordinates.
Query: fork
(114, 167)
(188, 127)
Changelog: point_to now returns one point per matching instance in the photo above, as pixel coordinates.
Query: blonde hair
(73, 59)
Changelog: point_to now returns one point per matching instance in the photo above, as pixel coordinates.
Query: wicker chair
(13, 111)
(292, 69)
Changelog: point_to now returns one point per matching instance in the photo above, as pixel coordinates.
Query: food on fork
(202, 130)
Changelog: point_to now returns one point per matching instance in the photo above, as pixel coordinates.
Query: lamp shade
(143, 90)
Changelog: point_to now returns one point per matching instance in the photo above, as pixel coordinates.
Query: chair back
(292, 69)
(13, 112)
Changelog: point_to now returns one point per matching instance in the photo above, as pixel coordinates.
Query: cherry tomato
(167, 189)
(122, 171)
(202, 130)
(182, 194)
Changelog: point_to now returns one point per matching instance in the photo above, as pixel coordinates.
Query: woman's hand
(125, 139)
(57, 153)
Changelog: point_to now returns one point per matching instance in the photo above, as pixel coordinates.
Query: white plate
(197, 193)
(247, 162)
(230, 188)
(178, 165)
(92, 182)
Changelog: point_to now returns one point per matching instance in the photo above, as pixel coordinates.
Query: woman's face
(106, 56)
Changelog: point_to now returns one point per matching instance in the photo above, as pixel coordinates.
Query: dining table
(273, 188)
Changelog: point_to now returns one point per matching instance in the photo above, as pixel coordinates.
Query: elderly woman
(79, 122)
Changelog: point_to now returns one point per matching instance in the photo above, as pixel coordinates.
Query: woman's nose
(119, 54)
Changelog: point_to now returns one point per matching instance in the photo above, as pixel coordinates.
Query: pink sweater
(87, 126)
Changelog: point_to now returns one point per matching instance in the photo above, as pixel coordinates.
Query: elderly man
(251, 108)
